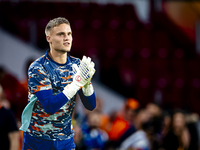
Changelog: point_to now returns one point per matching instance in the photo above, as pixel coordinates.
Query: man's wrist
(88, 89)
(70, 90)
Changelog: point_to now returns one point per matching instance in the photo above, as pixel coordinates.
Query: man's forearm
(51, 103)
(14, 140)
(88, 101)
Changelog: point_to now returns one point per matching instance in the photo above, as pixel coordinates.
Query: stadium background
(148, 50)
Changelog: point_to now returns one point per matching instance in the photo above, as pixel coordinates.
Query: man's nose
(66, 37)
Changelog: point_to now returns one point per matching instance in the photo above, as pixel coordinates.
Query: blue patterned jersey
(45, 74)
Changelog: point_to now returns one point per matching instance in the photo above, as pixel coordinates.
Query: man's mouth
(66, 44)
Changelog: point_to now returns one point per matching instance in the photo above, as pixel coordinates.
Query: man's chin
(63, 50)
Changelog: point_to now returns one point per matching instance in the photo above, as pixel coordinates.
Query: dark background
(152, 62)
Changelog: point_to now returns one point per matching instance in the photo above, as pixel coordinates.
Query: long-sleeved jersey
(46, 74)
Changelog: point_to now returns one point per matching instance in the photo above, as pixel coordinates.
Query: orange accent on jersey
(42, 82)
(41, 115)
(44, 115)
(72, 56)
(39, 87)
(36, 128)
(64, 70)
(59, 112)
(34, 114)
(65, 78)
(39, 71)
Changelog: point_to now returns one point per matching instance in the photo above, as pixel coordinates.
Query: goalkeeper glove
(88, 89)
(83, 74)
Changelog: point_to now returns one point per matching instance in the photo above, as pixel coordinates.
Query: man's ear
(48, 38)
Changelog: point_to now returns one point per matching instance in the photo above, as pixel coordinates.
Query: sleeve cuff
(88, 90)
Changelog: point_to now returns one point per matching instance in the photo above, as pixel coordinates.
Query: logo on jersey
(78, 78)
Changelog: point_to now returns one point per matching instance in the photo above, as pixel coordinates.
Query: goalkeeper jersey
(45, 74)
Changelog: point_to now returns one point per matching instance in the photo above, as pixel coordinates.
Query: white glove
(83, 74)
(88, 88)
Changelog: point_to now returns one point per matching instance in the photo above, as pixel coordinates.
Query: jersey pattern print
(45, 74)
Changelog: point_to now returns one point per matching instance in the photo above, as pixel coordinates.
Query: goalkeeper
(54, 80)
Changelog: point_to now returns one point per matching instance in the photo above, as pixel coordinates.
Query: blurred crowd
(134, 127)
(137, 128)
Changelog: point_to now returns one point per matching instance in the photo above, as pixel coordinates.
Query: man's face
(60, 38)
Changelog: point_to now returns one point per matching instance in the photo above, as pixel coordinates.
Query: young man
(54, 80)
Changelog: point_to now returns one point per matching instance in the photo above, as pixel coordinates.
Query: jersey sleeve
(38, 78)
(88, 101)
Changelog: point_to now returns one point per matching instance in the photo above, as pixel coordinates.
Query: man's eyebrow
(61, 33)
(64, 32)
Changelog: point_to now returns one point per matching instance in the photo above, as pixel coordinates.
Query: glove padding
(82, 75)
(87, 88)
(84, 72)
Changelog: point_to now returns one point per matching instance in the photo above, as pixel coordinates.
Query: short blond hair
(55, 22)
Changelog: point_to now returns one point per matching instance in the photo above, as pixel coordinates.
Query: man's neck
(58, 57)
